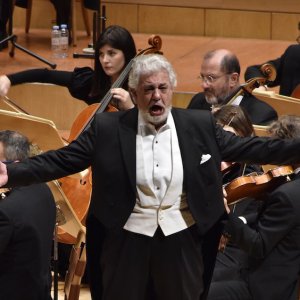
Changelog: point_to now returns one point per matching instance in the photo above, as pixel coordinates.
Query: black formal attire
(287, 71)
(273, 246)
(232, 265)
(27, 219)
(79, 81)
(109, 147)
(260, 113)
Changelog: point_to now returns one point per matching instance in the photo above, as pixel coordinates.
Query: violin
(296, 92)
(255, 185)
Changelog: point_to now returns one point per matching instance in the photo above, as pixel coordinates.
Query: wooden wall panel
(125, 15)
(291, 6)
(171, 20)
(238, 24)
(285, 26)
(262, 19)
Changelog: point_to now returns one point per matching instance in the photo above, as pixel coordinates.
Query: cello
(78, 191)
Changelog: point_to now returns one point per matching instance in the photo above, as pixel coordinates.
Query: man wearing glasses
(220, 73)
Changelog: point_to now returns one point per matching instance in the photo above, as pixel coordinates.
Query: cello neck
(118, 83)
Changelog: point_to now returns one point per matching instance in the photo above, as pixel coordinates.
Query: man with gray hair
(156, 209)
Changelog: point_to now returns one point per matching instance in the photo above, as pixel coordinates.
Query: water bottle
(55, 42)
(64, 40)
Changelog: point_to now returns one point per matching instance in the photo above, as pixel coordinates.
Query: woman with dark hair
(235, 117)
(114, 50)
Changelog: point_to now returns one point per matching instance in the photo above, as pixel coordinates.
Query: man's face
(217, 86)
(154, 97)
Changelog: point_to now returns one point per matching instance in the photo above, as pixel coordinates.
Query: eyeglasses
(209, 79)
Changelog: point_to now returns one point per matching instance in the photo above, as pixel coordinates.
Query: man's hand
(124, 98)
(3, 174)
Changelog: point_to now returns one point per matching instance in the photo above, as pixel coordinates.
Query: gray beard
(156, 120)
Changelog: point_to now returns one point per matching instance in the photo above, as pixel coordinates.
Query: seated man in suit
(273, 246)
(220, 75)
(27, 219)
(287, 68)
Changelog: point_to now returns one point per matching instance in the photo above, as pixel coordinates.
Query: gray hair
(147, 65)
(15, 145)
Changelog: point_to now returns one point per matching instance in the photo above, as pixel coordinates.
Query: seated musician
(232, 262)
(287, 68)
(114, 50)
(220, 80)
(273, 246)
(27, 219)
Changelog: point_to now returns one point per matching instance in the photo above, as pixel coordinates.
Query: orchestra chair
(73, 19)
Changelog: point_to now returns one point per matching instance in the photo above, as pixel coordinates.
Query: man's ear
(132, 93)
(234, 79)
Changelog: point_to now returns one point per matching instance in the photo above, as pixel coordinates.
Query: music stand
(284, 105)
(13, 39)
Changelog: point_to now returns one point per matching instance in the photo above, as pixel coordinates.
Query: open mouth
(156, 110)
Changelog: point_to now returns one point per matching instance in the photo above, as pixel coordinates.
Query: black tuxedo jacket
(287, 70)
(109, 147)
(274, 246)
(260, 113)
(27, 218)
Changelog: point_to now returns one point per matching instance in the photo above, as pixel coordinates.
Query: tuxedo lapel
(191, 151)
(127, 136)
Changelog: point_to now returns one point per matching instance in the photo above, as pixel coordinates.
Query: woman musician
(232, 262)
(114, 50)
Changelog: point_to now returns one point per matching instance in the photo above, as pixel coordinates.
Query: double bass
(78, 190)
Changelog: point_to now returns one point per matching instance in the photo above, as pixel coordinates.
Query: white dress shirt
(160, 200)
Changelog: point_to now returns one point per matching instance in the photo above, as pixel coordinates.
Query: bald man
(220, 81)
